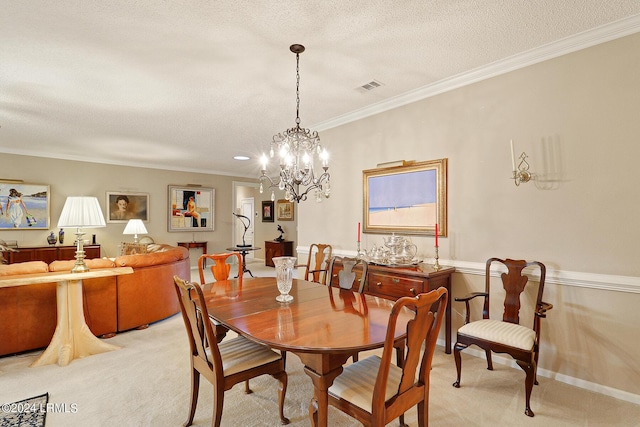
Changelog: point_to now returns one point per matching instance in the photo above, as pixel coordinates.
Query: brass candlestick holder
(436, 265)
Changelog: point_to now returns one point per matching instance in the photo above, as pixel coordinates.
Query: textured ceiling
(185, 85)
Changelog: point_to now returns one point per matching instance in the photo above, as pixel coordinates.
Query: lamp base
(80, 266)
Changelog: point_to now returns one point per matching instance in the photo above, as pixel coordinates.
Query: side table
(244, 250)
(191, 245)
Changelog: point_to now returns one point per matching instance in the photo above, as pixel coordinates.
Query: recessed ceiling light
(241, 157)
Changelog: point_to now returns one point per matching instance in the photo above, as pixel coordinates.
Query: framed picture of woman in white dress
(24, 206)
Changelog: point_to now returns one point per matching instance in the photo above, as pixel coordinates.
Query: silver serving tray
(407, 264)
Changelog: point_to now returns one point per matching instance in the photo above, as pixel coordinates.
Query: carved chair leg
(489, 360)
(282, 392)
(195, 388)
(456, 356)
(218, 403)
(535, 371)
(283, 354)
(530, 370)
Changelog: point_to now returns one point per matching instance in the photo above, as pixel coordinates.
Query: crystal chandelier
(297, 148)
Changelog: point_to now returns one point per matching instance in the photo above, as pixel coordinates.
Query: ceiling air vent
(369, 86)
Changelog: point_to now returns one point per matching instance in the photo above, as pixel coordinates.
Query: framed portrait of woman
(123, 206)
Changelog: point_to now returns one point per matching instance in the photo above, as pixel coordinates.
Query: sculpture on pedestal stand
(246, 224)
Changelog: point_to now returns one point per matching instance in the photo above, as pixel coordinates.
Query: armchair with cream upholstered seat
(374, 391)
(315, 270)
(223, 364)
(506, 335)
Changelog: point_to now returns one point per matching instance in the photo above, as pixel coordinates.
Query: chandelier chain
(298, 89)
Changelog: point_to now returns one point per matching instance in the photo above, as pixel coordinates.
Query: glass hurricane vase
(284, 276)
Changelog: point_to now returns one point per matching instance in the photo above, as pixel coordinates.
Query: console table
(72, 338)
(396, 282)
(276, 248)
(50, 253)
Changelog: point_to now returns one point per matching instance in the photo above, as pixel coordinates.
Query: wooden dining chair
(506, 335)
(222, 364)
(315, 270)
(220, 269)
(342, 273)
(373, 390)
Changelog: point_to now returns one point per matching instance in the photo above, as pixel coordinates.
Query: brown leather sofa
(111, 304)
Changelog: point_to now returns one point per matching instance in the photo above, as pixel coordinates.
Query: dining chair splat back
(343, 274)
(373, 390)
(222, 364)
(317, 263)
(220, 270)
(506, 335)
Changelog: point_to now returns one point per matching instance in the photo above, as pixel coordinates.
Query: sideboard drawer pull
(378, 284)
(413, 291)
(395, 280)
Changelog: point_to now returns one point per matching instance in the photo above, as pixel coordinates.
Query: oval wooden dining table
(323, 326)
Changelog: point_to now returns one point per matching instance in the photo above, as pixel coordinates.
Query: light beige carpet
(146, 383)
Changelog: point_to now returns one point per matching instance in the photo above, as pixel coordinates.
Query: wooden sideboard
(50, 253)
(274, 248)
(396, 282)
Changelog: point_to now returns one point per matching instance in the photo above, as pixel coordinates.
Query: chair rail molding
(605, 282)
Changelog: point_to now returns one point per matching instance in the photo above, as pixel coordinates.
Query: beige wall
(576, 116)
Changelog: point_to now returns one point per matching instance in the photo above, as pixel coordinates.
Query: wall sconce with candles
(521, 173)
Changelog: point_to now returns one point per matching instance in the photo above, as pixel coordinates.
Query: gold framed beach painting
(406, 199)
(24, 206)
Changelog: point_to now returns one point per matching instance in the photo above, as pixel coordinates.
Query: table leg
(72, 338)
(244, 263)
(322, 369)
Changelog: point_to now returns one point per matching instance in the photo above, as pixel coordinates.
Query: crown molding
(586, 39)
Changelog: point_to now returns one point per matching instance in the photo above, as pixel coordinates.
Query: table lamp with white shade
(135, 227)
(81, 213)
